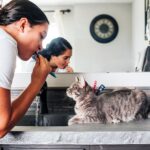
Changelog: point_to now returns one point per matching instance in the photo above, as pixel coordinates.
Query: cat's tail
(144, 110)
(148, 111)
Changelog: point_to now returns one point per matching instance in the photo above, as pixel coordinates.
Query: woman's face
(62, 60)
(30, 40)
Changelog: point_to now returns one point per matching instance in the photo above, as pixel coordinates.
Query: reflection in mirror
(123, 54)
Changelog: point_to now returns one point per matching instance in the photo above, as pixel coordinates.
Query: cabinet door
(45, 147)
(120, 147)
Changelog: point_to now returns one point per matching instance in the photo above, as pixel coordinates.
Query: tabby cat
(122, 105)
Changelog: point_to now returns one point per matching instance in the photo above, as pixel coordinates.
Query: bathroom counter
(136, 132)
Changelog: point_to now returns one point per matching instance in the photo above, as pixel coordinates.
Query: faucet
(43, 99)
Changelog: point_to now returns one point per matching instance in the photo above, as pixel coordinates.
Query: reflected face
(62, 60)
(31, 40)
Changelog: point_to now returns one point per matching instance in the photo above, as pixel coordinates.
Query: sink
(56, 120)
(45, 120)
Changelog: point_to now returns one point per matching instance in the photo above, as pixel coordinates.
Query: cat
(120, 105)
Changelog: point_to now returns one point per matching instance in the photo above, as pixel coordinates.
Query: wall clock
(104, 28)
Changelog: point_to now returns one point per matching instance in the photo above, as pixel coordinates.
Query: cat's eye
(75, 87)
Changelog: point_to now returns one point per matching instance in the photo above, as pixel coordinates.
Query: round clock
(104, 28)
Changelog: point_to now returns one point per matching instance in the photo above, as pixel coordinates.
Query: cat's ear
(84, 84)
(82, 81)
(77, 79)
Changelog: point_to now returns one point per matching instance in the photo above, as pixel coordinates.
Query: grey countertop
(136, 132)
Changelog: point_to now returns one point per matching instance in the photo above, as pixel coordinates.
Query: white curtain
(56, 27)
(59, 22)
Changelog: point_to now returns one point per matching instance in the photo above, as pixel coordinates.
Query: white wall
(91, 56)
(126, 52)
(114, 56)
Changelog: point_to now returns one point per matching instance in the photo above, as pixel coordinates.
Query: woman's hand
(69, 69)
(40, 70)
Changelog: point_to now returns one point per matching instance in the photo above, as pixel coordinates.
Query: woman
(23, 26)
(58, 52)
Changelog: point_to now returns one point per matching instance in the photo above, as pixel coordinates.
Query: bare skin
(11, 113)
(69, 69)
(61, 61)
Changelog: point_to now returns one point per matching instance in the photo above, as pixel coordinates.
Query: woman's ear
(22, 24)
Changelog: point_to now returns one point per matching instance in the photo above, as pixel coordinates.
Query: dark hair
(17, 9)
(56, 47)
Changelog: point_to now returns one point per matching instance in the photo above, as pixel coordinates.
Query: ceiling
(72, 2)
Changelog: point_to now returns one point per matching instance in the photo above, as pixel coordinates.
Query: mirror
(124, 54)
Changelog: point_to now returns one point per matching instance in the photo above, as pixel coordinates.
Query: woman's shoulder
(7, 38)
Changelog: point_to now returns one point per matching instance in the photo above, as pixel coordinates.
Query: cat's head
(78, 88)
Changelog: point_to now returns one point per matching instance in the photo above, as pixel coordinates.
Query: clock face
(104, 28)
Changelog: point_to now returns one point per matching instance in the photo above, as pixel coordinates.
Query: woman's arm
(5, 108)
(10, 114)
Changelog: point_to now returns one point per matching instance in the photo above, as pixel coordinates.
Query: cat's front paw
(116, 121)
(70, 123)
(74, 120)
